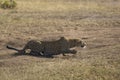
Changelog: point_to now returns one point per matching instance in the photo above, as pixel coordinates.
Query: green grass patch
(8, 4)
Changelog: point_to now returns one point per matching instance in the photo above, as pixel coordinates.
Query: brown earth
(95, 22)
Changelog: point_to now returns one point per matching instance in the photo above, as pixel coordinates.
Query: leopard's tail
(12, 48)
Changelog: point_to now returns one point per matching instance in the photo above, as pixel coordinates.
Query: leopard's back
(54, 47)
(34, 45)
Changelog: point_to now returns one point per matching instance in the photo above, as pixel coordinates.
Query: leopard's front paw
(74, 51)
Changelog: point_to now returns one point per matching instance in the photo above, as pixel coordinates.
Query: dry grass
(96, 21)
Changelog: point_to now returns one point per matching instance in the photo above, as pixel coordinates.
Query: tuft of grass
(8, 4)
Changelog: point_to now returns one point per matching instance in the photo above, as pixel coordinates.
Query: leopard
(49, 48)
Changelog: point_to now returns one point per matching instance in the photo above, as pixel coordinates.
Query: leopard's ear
(76, 40)
(62, 37)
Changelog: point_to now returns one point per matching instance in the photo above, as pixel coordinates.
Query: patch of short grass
(96, 20)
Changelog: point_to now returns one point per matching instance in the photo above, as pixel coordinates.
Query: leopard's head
(77, 42)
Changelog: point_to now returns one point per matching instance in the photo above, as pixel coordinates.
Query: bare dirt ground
(95, 22)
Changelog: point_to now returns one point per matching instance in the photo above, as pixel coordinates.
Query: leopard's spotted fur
(46, 48)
